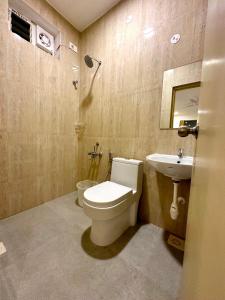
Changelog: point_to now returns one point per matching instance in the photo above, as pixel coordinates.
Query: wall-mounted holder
(75, 83)
(94, 154)
(79, 129)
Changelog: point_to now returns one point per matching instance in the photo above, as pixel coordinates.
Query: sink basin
(171, 165)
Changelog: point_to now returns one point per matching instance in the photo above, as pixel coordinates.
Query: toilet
(112, 205)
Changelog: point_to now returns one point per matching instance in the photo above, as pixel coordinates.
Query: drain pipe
(174, 210)
(110, 160)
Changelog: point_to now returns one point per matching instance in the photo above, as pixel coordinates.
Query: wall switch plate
(73, 47)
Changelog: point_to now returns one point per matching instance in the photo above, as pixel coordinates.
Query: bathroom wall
(122, 112)
(38, 110)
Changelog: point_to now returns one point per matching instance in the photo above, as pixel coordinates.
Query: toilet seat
(106, 194)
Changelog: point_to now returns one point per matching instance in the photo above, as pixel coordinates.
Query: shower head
(89, 61)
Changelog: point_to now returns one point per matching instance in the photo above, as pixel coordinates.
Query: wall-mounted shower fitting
(75, 83)
(89, 61)
(79, 129)
(174, 209)
(95, 152)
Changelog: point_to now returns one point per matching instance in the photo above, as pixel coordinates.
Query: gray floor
(50, 256)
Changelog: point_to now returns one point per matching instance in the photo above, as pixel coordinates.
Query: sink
(171, 165)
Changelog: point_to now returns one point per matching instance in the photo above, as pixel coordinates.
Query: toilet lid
(106, 194)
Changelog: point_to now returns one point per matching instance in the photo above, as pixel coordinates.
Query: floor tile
(50, 256)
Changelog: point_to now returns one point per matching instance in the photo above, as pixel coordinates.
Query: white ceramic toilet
(112, 205)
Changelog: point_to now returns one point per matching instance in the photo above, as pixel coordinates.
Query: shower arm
(98, 61)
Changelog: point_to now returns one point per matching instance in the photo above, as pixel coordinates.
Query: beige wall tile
(38, 112)
(123, 113)
(42, 158)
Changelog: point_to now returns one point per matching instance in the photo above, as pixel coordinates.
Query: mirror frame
(182, 75)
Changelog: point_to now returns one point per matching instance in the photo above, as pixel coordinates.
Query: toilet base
(105, 232)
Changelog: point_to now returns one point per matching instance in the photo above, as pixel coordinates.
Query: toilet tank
(128, 172)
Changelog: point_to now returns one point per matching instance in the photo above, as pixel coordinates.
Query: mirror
(184, 109)
(180, 96)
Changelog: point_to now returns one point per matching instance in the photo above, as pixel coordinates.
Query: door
(204, 261)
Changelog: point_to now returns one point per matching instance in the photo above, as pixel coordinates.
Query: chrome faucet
(180, 153)
(95, 153)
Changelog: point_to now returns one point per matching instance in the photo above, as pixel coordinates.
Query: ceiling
(83, 13)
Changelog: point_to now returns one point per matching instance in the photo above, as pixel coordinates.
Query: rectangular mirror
(184, 108)
(180, 96)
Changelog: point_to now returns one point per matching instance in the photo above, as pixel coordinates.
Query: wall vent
(20, 26)
(32, 27)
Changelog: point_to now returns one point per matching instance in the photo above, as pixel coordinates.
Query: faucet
(95, 153)
(180, 153)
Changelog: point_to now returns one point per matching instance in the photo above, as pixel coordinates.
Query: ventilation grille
(20, 27)
(24, 22)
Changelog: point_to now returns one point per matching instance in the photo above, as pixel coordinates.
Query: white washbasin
(171, 165)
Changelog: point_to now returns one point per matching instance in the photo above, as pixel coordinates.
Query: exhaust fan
(45, 40)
